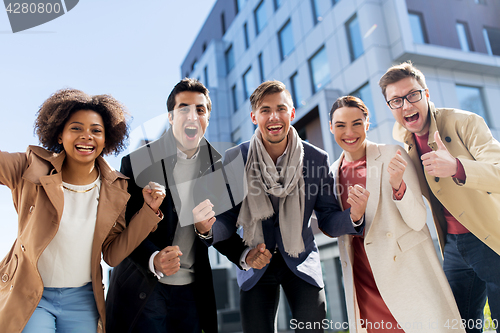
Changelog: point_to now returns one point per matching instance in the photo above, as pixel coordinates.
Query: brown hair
(268, 88)
(58, 108)
(399, 72)
(349, 101)
(188, 84)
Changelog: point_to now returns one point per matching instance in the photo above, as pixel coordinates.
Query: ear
(427, 93)
(367, 124)
(331, 127)
(170, 118)
(292, 116)
(252, 116)
(59, 139)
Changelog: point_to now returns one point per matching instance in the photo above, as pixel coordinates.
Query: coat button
(447, 139)
(5, 277)
(344, 263)
(389, 234)
(394, 258)
(436, 179)
(23, 248)
(173, 209)
(142, 295)
(31, 209)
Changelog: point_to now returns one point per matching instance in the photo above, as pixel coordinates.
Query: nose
(86, 135)
(192, 114)
(406, 104)
(349, 130)
(274, 115)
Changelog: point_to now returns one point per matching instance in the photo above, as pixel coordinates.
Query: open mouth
(411, 117)
(274, 128)
(84, 148)
(191, 131)
(350, 141)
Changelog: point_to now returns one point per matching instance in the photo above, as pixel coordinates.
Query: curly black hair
(58, 108)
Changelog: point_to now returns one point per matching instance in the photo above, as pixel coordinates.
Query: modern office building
(323, 49)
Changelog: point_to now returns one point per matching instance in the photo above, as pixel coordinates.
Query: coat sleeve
(135, 213)
(411, 206)
(12, 166)
(483, 172)
(331, 219)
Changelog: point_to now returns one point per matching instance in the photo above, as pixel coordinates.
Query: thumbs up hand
(396, 169)
(439, 163)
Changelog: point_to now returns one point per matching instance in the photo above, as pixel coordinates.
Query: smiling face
(349, 126)
(83, 137)
(412, 116)
(189, 120)
(273, 117)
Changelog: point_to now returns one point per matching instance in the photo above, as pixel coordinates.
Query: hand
(203, 216)
(357, 198)
(167, 260)
(439, 163)
(154, 194)
(396, 169)
(258, 257)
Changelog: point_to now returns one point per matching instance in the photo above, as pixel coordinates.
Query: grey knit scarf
(287, 184)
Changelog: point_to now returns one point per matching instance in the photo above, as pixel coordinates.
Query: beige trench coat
(400, 250)
(35, 180)
(475, 204)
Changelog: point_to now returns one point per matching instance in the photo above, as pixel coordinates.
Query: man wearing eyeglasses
(457, 159)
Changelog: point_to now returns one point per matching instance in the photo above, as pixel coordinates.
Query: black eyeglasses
(412, 97)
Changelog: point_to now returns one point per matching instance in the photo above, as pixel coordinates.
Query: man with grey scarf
(285, 180)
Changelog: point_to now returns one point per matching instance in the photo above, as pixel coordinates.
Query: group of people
(155, 219)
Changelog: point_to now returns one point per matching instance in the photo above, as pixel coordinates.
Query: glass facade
(417, 28)
(320, 70)
(471, 99)
(354, 38)
(260, 17)
(285, 37)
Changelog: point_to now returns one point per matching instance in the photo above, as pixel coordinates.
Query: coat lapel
(374, 169)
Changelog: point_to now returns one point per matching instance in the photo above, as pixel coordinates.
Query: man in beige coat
(456, 158)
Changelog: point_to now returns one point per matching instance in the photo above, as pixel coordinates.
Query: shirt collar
(181, 154)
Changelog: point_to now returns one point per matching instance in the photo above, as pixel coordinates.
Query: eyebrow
(343, 122)
(181, 105)
(80, 123)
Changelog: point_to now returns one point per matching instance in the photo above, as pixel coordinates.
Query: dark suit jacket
(319, 197)
(131, 282)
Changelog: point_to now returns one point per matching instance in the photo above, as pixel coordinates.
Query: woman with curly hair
(71, 207)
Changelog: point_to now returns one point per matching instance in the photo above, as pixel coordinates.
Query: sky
(131, 50)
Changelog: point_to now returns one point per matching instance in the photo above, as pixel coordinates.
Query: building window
(320, 70)
(193, 65)
(234, 95)
(248, 83)
(277, 4)
(205, 76)
(229, 57)
(223, 23)
(285, 37)
(261, 68)
(245, 35)
(464, 36)
(319, 8)
(295, 90)
(204, 47)
(471, 99)
(492, 40)
(260, 17)
(239, 5)
(354, 38)
(365, 93)
(236, 137)
(417, 28)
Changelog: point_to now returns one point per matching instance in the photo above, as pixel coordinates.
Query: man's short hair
(188, 84)
(399, 72)
(268, 88)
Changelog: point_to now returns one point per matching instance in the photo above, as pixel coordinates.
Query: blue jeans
(473, 271)
(65, 310)
(259, 305)
(169, 309)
